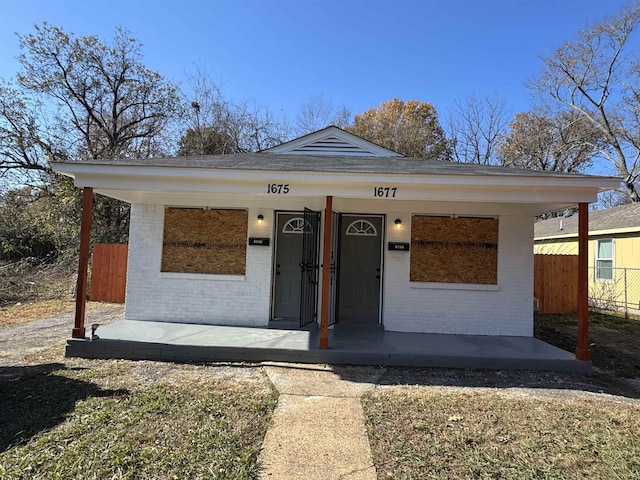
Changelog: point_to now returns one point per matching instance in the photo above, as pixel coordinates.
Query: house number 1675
(386, 192)
(281, 188)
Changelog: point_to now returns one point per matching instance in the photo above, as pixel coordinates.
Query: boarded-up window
(204, 241)
(454, 250)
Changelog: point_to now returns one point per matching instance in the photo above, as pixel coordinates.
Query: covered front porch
(354, 345)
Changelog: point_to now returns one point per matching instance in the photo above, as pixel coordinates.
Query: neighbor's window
(454, 250)
(604, 259)
(204, 241)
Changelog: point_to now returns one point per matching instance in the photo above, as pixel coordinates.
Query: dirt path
(20, 343)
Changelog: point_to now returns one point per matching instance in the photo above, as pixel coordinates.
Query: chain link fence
(615, 289)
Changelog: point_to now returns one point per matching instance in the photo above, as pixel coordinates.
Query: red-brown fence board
(108, 273)
(555, 283)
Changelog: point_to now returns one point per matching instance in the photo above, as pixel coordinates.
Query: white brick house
(414, 246)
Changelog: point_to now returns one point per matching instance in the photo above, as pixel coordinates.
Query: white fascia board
(84, 173)
(363, 205)
(557, 237)
(347, 187)
(129, 190)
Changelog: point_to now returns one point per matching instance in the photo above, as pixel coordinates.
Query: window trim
(598, 259)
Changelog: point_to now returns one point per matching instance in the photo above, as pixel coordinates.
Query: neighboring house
(415, 245)
(614, 251)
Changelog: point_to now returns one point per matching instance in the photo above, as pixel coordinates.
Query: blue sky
(355, 53)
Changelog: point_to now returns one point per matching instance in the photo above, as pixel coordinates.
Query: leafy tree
(206, 141)
(477, 126)
(21, 233)
(43, 222)
(564, 142)
(39, 222)
(411, 128)
(597, 76)
(78, 98)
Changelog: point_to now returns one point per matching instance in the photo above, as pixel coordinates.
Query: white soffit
(332, 141)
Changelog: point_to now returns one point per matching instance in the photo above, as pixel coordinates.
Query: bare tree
(613, 198)
(215, 125)
(258, 128)
(317, 113)
(208, 118)
(109, 105)
(80, 98)
(477, 125)
(23, 153)
(597, 77)
(560, 142)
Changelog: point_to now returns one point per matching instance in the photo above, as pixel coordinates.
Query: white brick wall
(503, 310)
(194, 298)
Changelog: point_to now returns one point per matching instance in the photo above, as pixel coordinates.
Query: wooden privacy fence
(108, 273)
(555, 283)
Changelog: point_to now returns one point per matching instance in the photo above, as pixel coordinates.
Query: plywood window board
(204, 241)
(454, 250)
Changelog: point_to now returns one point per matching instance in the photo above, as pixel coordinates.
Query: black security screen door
(333, 269)
(309, 267)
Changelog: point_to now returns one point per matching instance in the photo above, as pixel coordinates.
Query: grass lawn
(420, 434)
(119, 419)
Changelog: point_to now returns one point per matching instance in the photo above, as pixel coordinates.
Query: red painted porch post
(83, 262)
(326, 265)
(582, 350)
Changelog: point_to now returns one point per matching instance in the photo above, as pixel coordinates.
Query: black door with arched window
(360, 269)
(295, 284)
(288, 253)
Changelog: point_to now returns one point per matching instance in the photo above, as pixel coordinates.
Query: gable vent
(331, 141)
(331, 145)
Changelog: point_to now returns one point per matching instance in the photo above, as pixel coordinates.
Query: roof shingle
(329, 163)
(624, 216)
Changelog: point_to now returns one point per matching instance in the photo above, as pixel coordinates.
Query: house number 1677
(386, 192)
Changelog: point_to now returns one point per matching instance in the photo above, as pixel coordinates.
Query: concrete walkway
(318, 429)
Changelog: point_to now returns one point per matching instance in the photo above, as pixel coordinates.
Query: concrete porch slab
(163, 341)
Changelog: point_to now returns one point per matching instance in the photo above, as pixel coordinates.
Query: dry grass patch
(417, 434)
(97, 419)
(28, 312)
(614, 339)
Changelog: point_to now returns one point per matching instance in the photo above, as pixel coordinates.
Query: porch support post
(582, 350)
(326, 272)
(83, 262)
